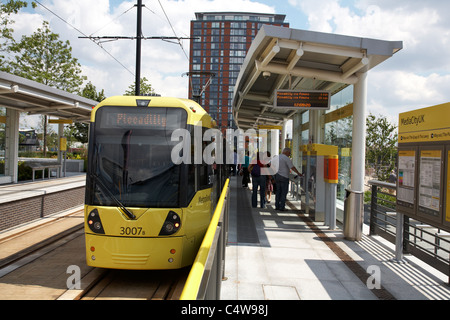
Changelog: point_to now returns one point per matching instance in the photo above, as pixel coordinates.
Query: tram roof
(285, 58)
(36, 98)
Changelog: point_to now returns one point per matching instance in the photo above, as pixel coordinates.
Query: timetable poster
(406, 176)
(430, 182)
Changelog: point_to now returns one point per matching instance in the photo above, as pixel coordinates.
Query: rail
(411, 236)
(205, 277)
(295, 185)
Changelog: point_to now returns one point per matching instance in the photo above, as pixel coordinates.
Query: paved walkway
(20, 191)
(285, 256)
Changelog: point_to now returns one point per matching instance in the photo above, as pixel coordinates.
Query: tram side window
(204, 171)
(191, 182)
(204, 176)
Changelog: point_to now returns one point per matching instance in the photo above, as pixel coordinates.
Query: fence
(426, 242)
(205, 278)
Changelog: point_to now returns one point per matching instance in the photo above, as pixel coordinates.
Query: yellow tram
(143, 211)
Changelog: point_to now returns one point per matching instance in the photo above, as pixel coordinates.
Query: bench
(41, 166)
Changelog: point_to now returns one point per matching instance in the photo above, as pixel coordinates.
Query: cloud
(417, 76)
(162, 62)
(26, 23)
(394, 92)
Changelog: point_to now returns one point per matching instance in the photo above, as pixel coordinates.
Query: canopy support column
(359, 132)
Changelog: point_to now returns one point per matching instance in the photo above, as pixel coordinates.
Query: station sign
(425, 125)
(423, 184)
(270, 127)
(309, 99)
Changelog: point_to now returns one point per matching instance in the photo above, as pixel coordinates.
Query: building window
(223, 53)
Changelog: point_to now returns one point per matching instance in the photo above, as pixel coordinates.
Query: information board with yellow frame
(423, 184)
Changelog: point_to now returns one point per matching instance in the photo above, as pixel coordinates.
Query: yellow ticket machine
(314, 181)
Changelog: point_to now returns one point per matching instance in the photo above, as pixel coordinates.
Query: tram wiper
(126, 153)
(127, 212)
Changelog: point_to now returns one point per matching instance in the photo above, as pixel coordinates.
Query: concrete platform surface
(290, 257)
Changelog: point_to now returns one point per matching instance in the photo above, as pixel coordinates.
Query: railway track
(55, 269)
(138, 285)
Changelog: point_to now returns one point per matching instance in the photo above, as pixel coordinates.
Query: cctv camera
(266, 75)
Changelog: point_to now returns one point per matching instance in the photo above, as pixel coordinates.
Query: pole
(332, 216)
(359, 133)
(138, 48)
(399, 238)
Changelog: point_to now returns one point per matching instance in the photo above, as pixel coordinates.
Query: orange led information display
(312, 99)
(155, 118)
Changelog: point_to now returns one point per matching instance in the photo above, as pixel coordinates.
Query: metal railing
(205, 278)
(295, 186)
(411, 236)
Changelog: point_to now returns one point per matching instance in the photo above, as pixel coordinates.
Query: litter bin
(353, 214)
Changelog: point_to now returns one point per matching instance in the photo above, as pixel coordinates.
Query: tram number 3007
(134, 231)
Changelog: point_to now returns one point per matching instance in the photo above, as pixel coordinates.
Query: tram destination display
(145, 118)
(312, 99)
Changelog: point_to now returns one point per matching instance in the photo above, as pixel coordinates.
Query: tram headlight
(94, 222)
(168, 226)
(171, 225)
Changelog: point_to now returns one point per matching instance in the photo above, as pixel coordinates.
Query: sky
(415, 77)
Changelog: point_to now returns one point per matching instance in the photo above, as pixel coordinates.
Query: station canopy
(285, 58)
(36, 98)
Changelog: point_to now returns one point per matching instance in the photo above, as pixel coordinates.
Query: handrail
(192, 286)
(382, 184)
(398, 228)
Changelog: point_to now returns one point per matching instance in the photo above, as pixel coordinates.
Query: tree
(6, 32)
(90, 91)
(80, 131)
(146, 88)
(381, 148)
(44, 58)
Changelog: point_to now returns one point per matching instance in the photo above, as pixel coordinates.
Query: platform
(274, 255)
(22, 203)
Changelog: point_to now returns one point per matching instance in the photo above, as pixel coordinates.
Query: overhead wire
(99, 43)
(171, 26)
(116, 18)
(85, 35)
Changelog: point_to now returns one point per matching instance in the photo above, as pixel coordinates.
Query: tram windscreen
(132, 157)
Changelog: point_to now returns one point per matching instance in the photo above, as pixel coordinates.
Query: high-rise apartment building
(221, 42)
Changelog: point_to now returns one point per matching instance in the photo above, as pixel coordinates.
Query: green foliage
(44, 58)
(383, 198)
(90, 91)
(24, 172)
(80, 131)
(6, 31)
(381, 146)
(146, 88)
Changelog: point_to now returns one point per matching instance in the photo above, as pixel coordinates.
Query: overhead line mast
(138, 48)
